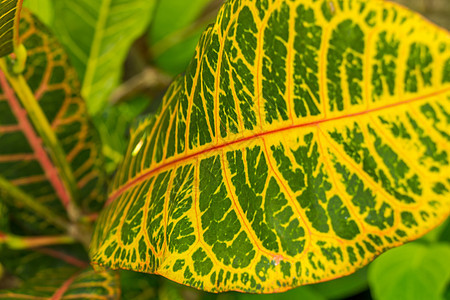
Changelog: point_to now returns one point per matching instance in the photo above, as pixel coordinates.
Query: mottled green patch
(133, 219)
(439, 188)
(155, 224)
(246, 34)
(343, 224)
(280, 217)
(408, 219)
(262, 267)
(308, 37)
(249, 188)
(351, 255)
(294, 177)
(384, 69)
(285, 267)
(364, 198)
(369, 247)
(276, 35)
(345, 55)
(328, 9)
(433, 115)
(180, 230)
(370, 18)
(199, 133)
(220, 224)
(397, 128)
(418, 68)
(446, 72)
(228, 119)
(431, 150)
(313, 197)
(397, 168)
(202, 263)
(375, 239)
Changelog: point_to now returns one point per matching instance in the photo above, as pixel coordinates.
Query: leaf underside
(24, 161)
(8, 14)
(67, 283)
(305, 138)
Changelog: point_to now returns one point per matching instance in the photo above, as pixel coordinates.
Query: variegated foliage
(67, 283)
(9, 16)
(26, 159)
(306, 137)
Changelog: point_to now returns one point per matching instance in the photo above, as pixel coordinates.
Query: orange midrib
(148, 173)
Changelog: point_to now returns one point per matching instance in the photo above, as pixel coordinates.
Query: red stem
(35, 142)
(63, 256)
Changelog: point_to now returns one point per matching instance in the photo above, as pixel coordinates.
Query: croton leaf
(24, 156)
(9, 18)
(305, 138)
(97, 36)
(67, 283)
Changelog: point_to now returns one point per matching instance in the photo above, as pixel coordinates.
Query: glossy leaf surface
(9, 13)
(67, 283)
(305, 138)
(24, 158)
(97, 36)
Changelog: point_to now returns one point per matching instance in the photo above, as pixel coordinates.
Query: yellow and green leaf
(305, 138)
(41, 111)
(67, 283)
(9, 19)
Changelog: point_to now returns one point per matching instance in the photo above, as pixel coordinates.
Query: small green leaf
(413, 271)
(97, 36)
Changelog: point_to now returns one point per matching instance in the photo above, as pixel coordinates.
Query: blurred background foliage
(418, 270)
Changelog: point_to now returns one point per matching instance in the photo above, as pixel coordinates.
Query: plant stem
(18, 242)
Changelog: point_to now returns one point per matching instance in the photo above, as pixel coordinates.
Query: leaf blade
(98, 45)
(275, 161)
(9, 19)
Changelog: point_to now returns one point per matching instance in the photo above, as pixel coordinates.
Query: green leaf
(113, 125)
(43, 9)
(9, 16)
(54, 118)
(413, 271)
(97, 36)
(175, 31)
(305, 138)
(67, 283)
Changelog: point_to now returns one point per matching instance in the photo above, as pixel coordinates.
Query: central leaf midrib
(148, 173)
(93, 54)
